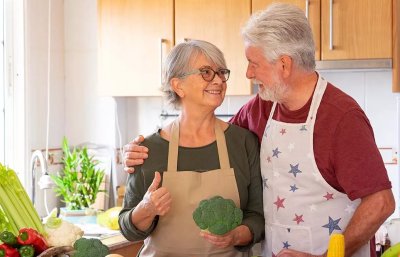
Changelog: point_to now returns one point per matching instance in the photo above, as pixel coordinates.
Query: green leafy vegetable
(91, 247)
(217, 215)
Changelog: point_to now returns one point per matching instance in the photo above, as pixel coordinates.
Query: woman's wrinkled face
(197, 91)
(266, 75)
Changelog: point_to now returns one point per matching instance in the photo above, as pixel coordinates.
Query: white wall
(75, 110)
(87, 116)
(36, 70)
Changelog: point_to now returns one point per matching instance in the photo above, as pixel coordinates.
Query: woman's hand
(157, 201)
(134, 154)
(241, 235)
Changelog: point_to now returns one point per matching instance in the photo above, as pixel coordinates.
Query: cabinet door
(219, 22)
(312, 11)
(360, 29)
(134, 37)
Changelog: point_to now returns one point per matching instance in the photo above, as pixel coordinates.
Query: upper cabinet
(347, 30)
(134, 38)
(219, 22)
(356, 29)
(136, 35)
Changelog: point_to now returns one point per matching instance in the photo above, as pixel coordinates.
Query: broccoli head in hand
(217, 215)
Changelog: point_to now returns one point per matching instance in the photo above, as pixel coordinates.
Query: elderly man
(321, 169)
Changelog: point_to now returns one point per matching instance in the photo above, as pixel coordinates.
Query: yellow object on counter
(336, 246)
(109, 218)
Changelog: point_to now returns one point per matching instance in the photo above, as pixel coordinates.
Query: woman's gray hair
(180, 60)
(282, 29)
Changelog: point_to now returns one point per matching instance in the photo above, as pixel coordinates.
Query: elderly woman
(199, 156)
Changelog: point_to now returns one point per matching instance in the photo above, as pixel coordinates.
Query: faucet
(45, 181)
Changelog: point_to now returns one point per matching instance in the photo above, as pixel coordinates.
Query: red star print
(328, 196)
(298, 218)
(269, 159)
(279, 203)
(283, 131)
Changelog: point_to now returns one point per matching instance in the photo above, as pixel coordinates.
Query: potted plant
(79, 182)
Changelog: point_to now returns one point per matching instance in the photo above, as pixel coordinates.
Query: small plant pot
(85, 216)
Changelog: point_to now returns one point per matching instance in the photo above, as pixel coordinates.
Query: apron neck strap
(174, 144)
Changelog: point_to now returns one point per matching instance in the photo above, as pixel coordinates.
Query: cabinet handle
(307, 8)
(163, 40)
(330, 24)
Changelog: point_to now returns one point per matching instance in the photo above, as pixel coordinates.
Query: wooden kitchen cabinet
(360, 29)
(219, 22)
(134, 37)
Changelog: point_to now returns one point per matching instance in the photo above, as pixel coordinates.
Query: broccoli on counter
(91, 247)
(217, 215)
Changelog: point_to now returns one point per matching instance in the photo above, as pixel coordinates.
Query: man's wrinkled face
(266, 75)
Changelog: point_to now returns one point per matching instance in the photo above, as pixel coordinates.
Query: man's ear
(286, 65)
(176, 85)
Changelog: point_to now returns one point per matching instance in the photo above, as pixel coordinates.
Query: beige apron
(176, 233)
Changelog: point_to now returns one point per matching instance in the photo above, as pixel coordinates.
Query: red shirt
(344, 145)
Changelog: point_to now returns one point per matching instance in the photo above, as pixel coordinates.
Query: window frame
(14, 87)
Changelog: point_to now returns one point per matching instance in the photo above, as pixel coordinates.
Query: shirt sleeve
(253, 216)
(135, 190)
(358, 165)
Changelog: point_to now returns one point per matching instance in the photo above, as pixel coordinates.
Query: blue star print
(303, 128)
(293, 188)
(286, 245)
(332, 225)
(294, 169)
(276, 152)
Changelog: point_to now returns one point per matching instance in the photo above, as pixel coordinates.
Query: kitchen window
(12, 89)
(2, 83)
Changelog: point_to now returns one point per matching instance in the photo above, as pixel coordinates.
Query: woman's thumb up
(156, 182)
(157, 199)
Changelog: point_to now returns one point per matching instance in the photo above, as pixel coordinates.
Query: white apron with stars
(301, 209)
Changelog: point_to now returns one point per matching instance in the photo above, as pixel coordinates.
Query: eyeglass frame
(201, 71)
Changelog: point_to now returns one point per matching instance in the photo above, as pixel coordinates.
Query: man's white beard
(276, 92)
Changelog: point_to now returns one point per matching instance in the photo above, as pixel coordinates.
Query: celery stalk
(9, 209)
(23, 218)
(28, 205)
(4, 222)
(15, 202)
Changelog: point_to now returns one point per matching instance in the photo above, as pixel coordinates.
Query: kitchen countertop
(117, 241)
(119, 245)
(113, 239)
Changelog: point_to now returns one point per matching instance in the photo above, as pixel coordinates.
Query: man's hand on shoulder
(134, 154)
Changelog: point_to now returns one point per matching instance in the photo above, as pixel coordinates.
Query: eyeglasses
(208, 74)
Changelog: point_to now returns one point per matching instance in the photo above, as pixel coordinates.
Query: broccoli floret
(217, 215)
(91, 247)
